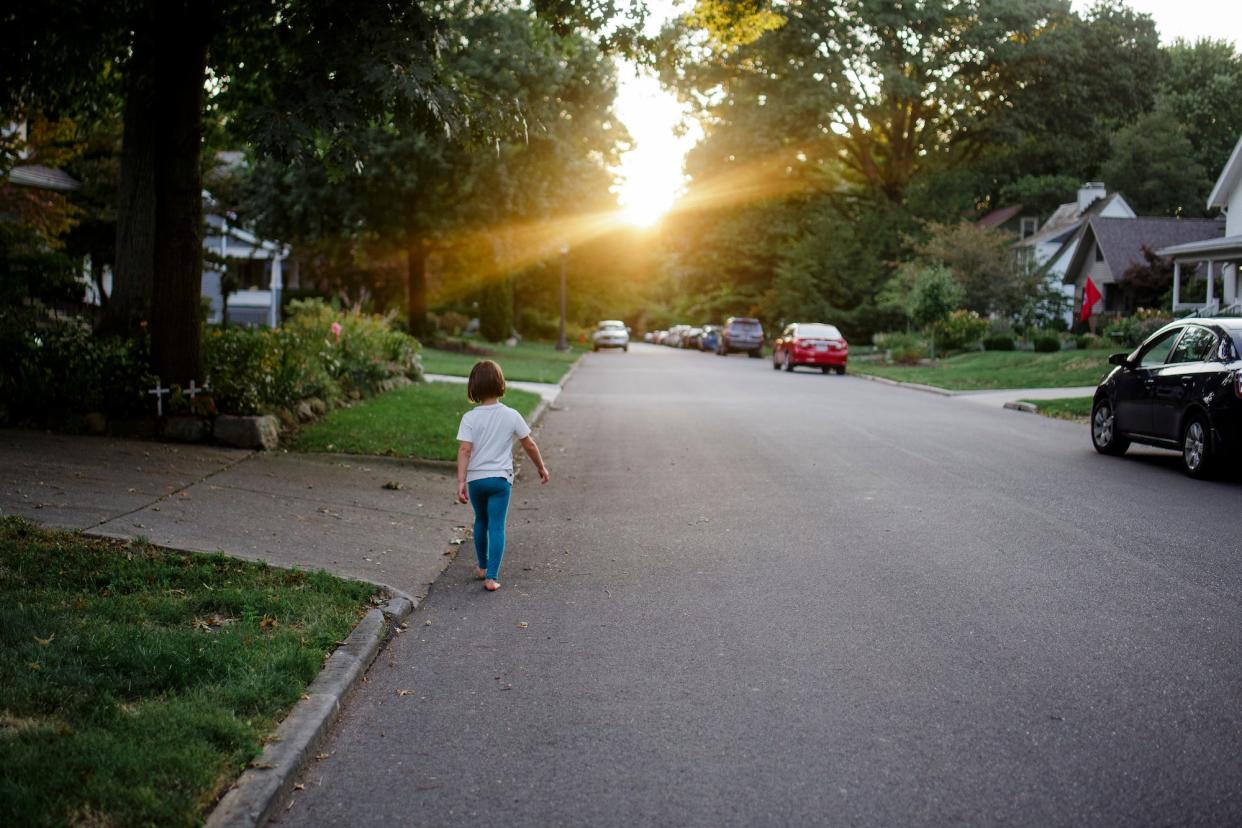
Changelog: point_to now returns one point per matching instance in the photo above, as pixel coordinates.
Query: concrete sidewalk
(997, 399)
(329, 512)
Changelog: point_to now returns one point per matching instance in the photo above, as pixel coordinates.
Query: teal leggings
(490, 499)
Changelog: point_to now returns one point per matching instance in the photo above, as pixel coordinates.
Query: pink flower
(336, 330)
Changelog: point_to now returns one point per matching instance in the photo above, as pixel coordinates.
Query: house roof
(998, 217)
(1122, 240)
(1228, 180)
(1198, 251)
(45, 178)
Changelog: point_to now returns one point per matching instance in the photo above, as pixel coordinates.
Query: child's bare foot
(480, 573)
(491, 585)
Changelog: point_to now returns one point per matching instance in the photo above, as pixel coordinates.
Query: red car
(812, 344)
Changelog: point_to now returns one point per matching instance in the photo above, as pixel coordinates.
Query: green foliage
(54, 368)
(138, 682)
(1153, 163)
(999, 342)
(260, 369)
(1201, 88)
(993, 279)
(934, 294)
(960, 330)
(496, 311)
(901, 348)
(1132, 330)
(416, 421)
(1046, 343)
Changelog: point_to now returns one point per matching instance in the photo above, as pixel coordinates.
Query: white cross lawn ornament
(193, 390)
(159, 393)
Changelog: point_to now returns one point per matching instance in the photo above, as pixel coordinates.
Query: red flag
(1090, 295)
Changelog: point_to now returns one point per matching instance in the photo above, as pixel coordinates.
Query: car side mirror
(1122, 360)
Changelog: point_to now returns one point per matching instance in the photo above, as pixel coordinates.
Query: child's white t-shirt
(491, 429)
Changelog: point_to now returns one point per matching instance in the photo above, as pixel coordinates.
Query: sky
(651, 173)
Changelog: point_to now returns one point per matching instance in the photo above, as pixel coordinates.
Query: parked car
(1181, 389)
(649, 336)
(710, 338)
(741, 333)
(611, 333)
(813, 344)
(675, 333)
(692, 337)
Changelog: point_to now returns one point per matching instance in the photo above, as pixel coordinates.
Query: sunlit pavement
(759, 598)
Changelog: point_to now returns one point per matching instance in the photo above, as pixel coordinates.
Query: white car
(611, 333)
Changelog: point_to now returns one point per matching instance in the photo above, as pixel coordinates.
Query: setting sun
(650, 177)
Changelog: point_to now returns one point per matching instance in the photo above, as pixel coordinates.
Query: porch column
(1230, 272)
(273, 315)
(1177, 284)
(1211, 279)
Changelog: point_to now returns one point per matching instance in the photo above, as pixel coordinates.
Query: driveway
(758, 598)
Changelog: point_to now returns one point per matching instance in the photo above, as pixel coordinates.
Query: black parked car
(1181, 389)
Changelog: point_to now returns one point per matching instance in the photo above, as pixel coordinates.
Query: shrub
(1047, 343)
(452, 323)
(256, 370)
(1132, 330)
(55, 367)
(960, 329)
(535, 324)
(496, 311)
(901, 348)
(999, 342)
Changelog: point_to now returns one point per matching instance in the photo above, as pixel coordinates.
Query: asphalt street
(759, 598)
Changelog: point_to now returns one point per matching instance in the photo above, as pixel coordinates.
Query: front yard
(138, 683)
(416, 421)
(999, 369)
(526, 361)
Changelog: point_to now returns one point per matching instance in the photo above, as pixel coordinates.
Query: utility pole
(561, 344)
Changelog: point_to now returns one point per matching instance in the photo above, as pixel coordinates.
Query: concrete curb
(929, 389)
(254, 797)
(1018, 405)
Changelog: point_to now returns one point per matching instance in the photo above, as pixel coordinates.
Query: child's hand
(462, 497)
(543, 474)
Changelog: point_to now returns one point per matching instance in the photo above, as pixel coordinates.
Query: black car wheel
(841, 369)
(825, 368)
(776, 366)
(1104, 435)
(788, 362)
(1198, 453)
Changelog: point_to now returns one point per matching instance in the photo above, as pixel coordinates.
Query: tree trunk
(133, 274)
(176, 317)
(416, 288)
(157, 279)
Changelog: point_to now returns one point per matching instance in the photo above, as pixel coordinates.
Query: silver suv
(741, 333)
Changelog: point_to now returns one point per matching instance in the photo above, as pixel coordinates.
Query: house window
(1099, 254)
(1028, 227)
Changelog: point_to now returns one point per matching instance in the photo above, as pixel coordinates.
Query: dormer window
(1028, 226)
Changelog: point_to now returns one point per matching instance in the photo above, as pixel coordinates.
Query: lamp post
(561, 344)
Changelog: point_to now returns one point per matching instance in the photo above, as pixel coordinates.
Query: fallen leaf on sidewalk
(394, 486)
(522, 625)
(405, 692)
(322, 756)
(299, 787)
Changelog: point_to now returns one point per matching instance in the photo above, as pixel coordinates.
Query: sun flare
(650, 176)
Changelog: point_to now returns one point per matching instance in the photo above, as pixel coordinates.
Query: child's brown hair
(486, 381)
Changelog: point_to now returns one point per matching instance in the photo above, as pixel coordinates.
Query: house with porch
(1214, 259)
(1106, 248)
(243, 275)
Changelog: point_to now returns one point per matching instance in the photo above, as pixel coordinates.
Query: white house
(258, 267)
(1053, 246)
(1216, 258)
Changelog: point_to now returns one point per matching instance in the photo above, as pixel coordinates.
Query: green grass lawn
(526, 361)
(1065, 408)
(416, 421)
(136, 683)
(1001, 369)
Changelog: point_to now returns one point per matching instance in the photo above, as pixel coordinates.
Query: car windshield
(606, 326)
(745, 325)
(816, 331)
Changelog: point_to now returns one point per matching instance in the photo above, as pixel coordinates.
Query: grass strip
(525, 362)
(416, 421)
(1064, 408)
(1000, 369)
(136, 684)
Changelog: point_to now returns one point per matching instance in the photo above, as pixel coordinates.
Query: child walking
(485, 464)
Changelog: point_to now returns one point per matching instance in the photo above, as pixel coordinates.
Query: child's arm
(463, 460)
(532, 451)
